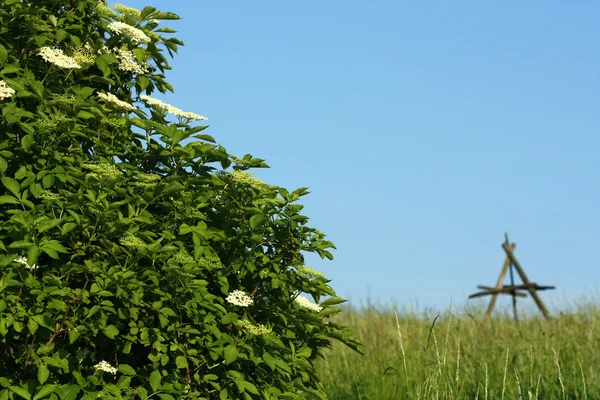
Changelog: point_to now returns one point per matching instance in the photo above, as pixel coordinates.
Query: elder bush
(138, 258)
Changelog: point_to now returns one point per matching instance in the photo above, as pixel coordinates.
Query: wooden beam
(509, 252)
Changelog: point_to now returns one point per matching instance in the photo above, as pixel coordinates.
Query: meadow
(463, 355)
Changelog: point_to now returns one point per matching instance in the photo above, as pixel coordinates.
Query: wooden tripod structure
(512, 289)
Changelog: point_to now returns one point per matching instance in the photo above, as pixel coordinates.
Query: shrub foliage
(138, 258)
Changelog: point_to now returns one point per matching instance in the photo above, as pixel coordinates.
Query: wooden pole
(499, 284)
(508, 249)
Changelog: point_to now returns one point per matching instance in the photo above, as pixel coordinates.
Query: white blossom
(58, 58)
(134, 33)
(111, 98)
(23, 260)
(171, 109)
(239, 298)
(128, 62)
(106, 367)
(306, 303)
(5, 90)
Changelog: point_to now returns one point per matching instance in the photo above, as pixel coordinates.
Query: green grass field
(464, 356)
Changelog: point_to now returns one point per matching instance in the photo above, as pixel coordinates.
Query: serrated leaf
(20, 392)
(111, 331)
(6, 199)
(155, 380)
(230, 353)
(332, 301)
(12, 185)
(44, 391)
(27, 141)
(257, 220)
(126, 369)
(181, 362)
(67, 392)
(43, 373)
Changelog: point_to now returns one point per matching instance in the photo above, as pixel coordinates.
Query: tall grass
(463, 355)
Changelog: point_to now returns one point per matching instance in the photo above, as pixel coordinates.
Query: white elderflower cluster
(146, 180)
(182, 257)
(5, 90)
(128, 62)
(306, 303)
(84, 54)
(133, 242)
(171, 109)
(247, 179)
(111, 98)
(255, 329)
(105, 367)
(239, 298)
(23, 260)
(103, 172)
(136, 34)
(58, 58)
(128, 11)
(310, 272)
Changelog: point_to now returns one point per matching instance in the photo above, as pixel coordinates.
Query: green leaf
(43, 373)
(250, 387)
(27, 141)
(155, 380)
(146, 11)
(126, 369)
(230, 353)
(6, 199)
(32, 326)
(20, 392)
(11, 185)
(85, 114)
(181, 362)
(61, 34)
(3, 55)
(256, 220)
(67, 392)
(44, 391)
(111, 331)
(332, 301)
(73, 335)
(3, 165)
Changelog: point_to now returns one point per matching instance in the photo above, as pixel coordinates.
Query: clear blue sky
(424, 130)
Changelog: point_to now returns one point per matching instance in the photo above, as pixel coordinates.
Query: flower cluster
(5, 90)
(102, 9)
(305, 303)
(111, 98)
(247, 179)
(23, 260)
(136, 34)
(48, 195)
(128, 62)
(128, 11)
(182, 257)
(84, 54)
(239, 298)
(58, 58)
(146, 180)
(210, 262)
(171, 109)
(133, 242)
(255, 329)
(106, 367)
(310, 272)
(103, 172)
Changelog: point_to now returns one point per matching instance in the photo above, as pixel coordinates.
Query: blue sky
(425, 130)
